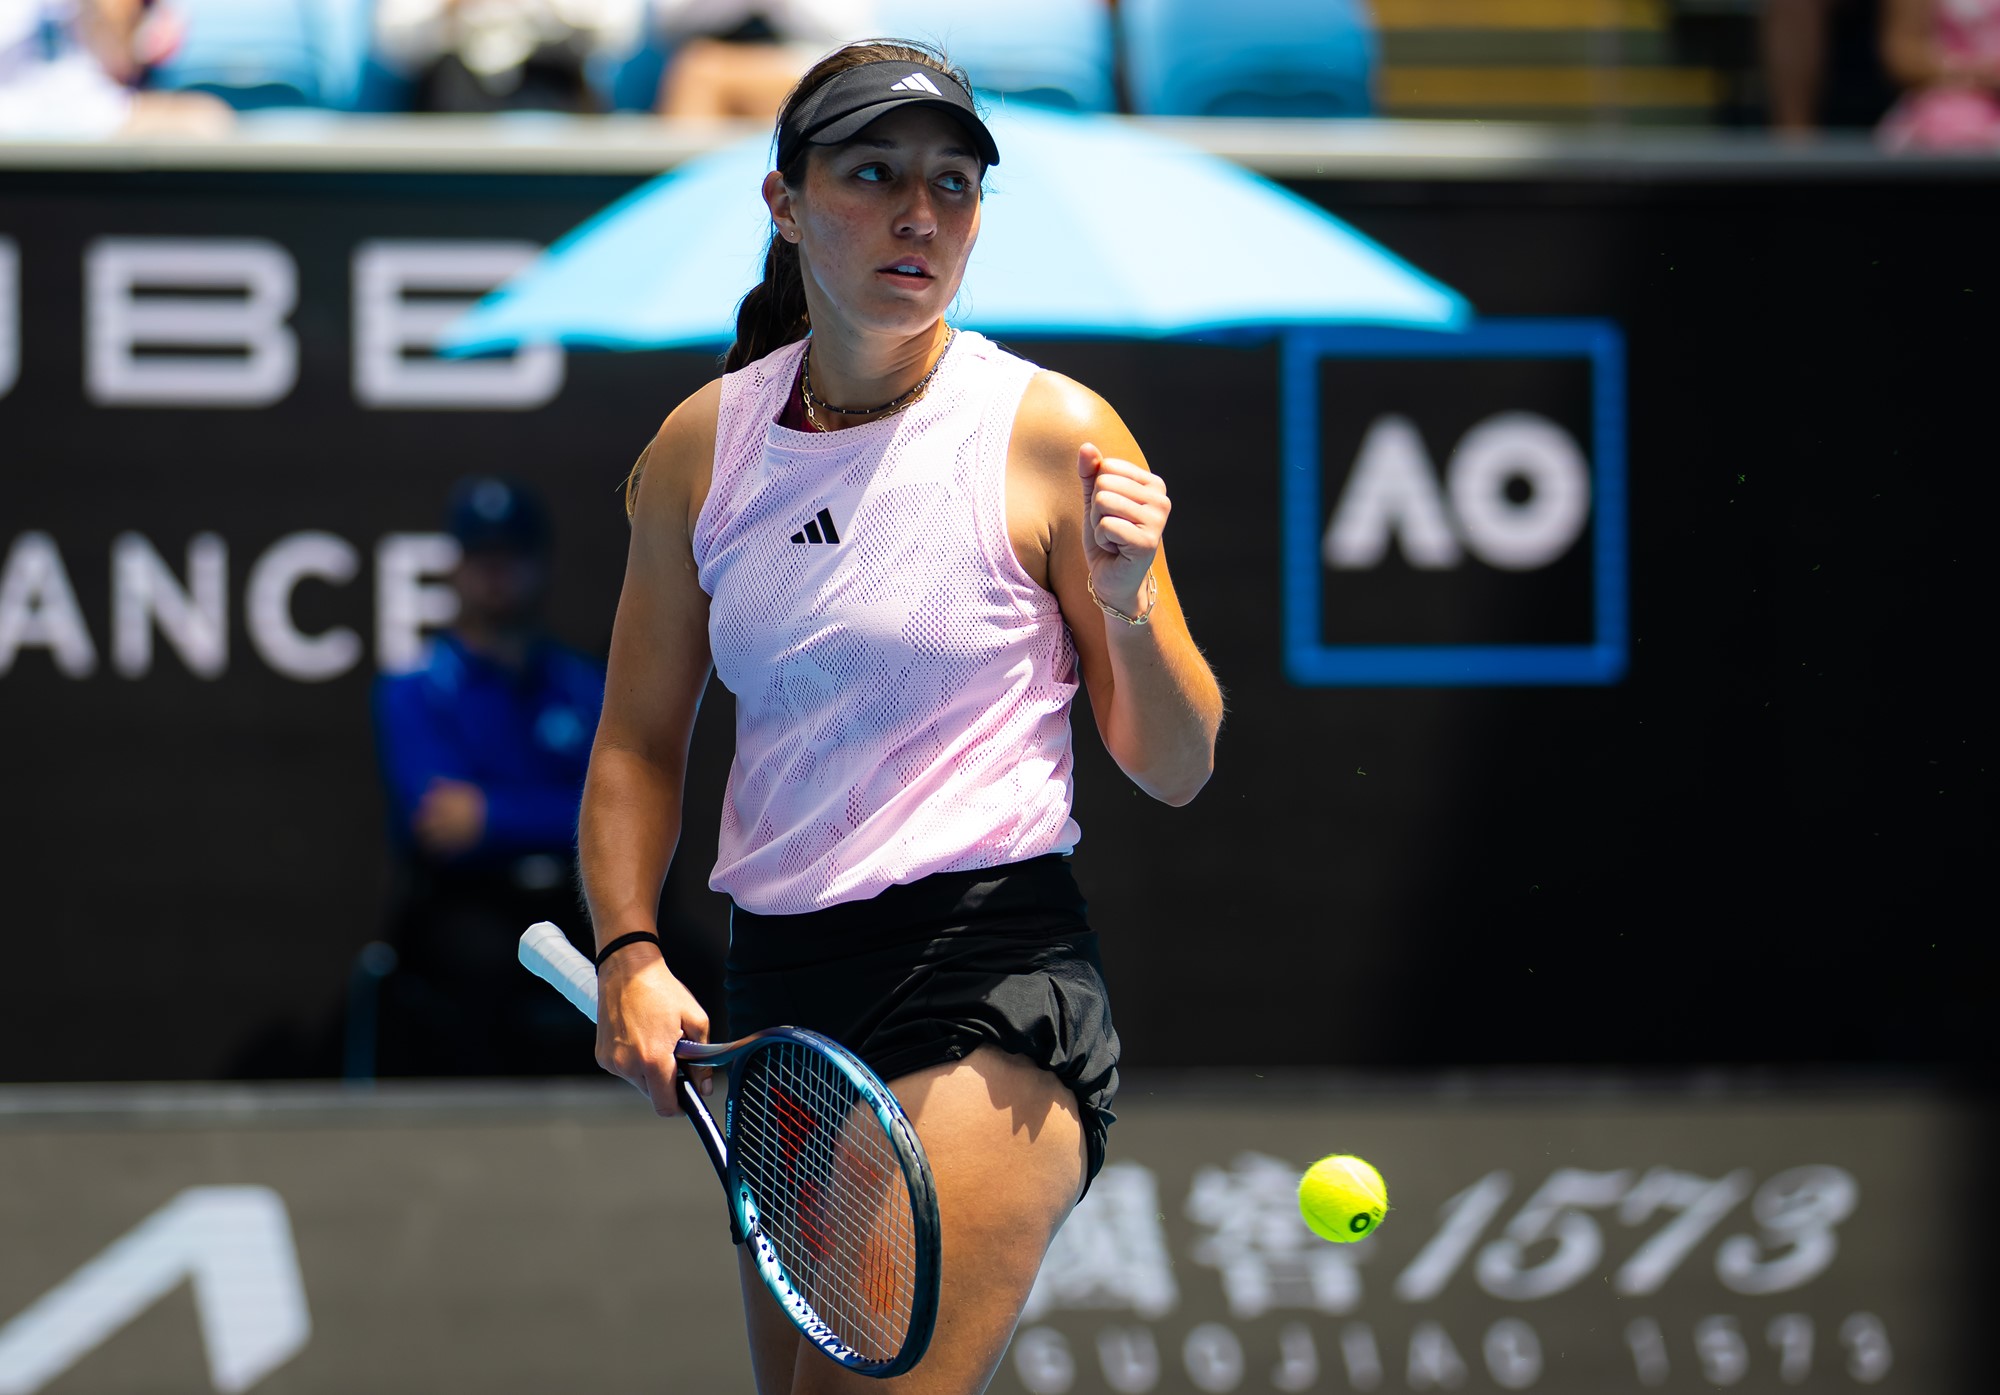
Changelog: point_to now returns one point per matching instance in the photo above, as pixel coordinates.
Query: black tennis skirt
(929, 972)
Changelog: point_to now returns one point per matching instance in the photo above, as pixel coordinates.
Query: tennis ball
(1342, 1198)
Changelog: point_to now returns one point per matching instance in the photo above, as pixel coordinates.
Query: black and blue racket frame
(745, 1228)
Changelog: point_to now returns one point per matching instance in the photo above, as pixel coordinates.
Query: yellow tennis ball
(1342, 1198)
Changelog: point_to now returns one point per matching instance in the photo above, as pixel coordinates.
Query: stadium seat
(271, 53)
(1053, 52)
(1248, 57)
(630, 81)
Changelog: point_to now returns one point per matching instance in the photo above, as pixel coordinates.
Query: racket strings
(830, 1192)
(848, 1202)
(825, 1208)
(790, 1139)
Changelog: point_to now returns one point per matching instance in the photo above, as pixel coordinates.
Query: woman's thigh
(1006, 1147)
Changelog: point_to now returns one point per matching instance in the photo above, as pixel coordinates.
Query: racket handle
(548, 954)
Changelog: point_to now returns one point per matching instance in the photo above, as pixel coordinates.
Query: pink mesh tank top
(902, 685)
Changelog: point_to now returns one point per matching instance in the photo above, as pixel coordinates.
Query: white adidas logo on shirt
(916, 82)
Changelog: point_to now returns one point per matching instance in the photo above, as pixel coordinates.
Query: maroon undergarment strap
(794, 417)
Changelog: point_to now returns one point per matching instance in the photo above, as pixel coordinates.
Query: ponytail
(774, 313)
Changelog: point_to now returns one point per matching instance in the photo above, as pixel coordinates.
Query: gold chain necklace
(814, 406)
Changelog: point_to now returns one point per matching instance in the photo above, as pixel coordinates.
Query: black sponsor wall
(1758, 844)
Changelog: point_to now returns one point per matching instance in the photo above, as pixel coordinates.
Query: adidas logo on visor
(817, 530)
(916, 82)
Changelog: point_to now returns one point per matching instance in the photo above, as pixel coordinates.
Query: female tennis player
(899, 546)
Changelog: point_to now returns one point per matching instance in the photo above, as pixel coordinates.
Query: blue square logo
(1454, 505)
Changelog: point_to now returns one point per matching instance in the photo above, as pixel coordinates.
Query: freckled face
(886, 222)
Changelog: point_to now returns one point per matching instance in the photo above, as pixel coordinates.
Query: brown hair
(773, 314)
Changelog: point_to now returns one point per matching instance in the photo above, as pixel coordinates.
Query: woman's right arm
(631, 815)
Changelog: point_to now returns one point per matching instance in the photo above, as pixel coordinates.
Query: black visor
(843, 105)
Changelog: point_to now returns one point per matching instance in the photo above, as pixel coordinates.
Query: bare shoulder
(671, 480)
(686, 439)
(1057, 415)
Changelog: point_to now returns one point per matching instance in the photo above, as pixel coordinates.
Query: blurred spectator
(483, 752)
(1822, 64)
(738, 58)
(504, 55)
(71, 68)
(1945, 54)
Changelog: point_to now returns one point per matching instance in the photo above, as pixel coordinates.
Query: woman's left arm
(1081, 497)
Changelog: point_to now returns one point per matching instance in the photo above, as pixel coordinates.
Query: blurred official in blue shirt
(483, 752)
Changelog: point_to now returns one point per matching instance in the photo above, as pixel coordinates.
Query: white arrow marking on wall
(235, 1243)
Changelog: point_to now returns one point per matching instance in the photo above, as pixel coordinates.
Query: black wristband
(623, 940)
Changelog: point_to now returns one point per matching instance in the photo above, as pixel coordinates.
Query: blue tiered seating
(271, 53)
(1055, 52)
(1248, 57)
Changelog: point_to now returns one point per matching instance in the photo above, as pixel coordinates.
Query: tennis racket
(826, 1180)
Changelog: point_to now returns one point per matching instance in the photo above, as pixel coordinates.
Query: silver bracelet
(1144, 617)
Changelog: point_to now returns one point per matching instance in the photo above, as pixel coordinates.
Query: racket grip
(548, 954)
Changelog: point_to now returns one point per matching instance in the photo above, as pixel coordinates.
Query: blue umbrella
(1092, 226)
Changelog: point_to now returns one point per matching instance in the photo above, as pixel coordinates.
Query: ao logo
(1512, 540)
(1394, 493)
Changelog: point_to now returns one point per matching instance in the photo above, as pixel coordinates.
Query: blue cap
(489, 514)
